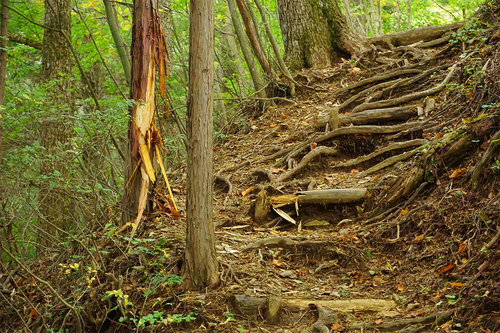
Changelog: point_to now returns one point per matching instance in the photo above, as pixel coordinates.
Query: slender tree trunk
(408, 16)
(56, 129)
(4, 33)
(379, 18)
(281, 62)
(200, 264)
(4, 36)
(254, 39)
(246, 49)
(233, 55)
(398, 15)
(121, 46)
(315, 33)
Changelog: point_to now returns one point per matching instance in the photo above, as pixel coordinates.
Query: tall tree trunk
(398, 15)
(315, 33)
(246, 49)
(254, 38)
(56, 129)
(4, 35)
(408, 16)
(233, 55)
(148, 49)
(281, 62)
(379, 18)
(200, 266)
(121, 46)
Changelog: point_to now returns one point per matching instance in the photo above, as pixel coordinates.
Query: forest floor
(417, 252)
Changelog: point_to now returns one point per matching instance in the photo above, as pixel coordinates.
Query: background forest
(98, 117)
(305, 95)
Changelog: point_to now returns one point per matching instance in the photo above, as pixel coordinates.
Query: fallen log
(409, 37)
(332, 196)
(256, 305)
(370, 116)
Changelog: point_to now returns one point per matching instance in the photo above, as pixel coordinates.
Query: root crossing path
(334, 213)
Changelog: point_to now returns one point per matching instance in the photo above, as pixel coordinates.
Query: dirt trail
(386, 247)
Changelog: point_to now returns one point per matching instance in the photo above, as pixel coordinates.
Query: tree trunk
(246, 50)
(254, 39)
(4, 32)
(408, 16)
(148, 49)
(56, 129)
(398, 15)
(315, 33)
(121, 46)
(200, 265)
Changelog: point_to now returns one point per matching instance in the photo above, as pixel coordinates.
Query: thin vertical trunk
(4, 37)
(121, 46)
(281, 62)
(246, 50)
(398, 15)
(200, 267)
(233, 55)
(254, 40)
(408, 16)
(379, 18)
(56, 127)
(4, 32)
(373, 19)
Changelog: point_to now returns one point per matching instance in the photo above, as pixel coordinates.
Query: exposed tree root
(409, 37)
(368, 90)
(286, 242)
(435, 319)
(389, 161)
(488, 155)
(371, 116)
(363, 129)
(318, 151)
(406, 98)
(381, 77)
(386, 149)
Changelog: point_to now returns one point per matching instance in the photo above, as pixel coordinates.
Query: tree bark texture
(148, 50)
(254, 38)
(4, 32)
(56, 129)
(121, 46)
(315, 33)
(246, 49)
(200, 266)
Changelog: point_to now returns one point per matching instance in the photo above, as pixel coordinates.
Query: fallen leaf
(284, 116)
(379, 321)
(273, 125)
(447, 268)
(418, 238)
(354, 171)
(456, 284)
(33, 314)
(404, 211)
(401, 287)
(313, 145)
(457, 173)
(462, 247)
(336, 327)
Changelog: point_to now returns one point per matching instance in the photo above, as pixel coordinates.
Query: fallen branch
(332, 196)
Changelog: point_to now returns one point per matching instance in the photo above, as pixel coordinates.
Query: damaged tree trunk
(148, 48)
